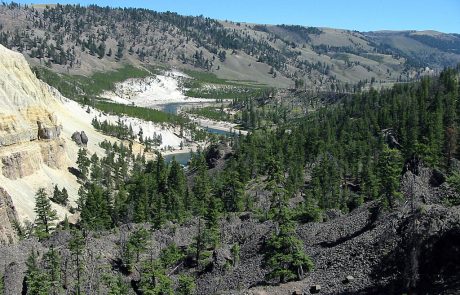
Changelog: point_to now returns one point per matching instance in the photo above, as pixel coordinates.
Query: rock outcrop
(8, 217)
(80, 138)
(25, 102)
(48, 132)
(35, 148)
(25, 159)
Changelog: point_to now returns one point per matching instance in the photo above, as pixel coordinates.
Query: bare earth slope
(36, 149)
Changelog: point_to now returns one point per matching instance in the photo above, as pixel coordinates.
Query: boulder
(332, 214)
(48, 132)
(315, 289)
(84, 138)
(213, 155)
(76, 136)
(349, 279)
(221, 257)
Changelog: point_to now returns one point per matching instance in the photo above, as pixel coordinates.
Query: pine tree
(64, 197)
(37, 281)
(96, 170)
(83, 162)
(176, 191)
(233, 192)
(115, 285)
(77, 247)
(95, 211)
(56, 194)
(137, 242)
(60, 197)
(154, 280)
(53, 268)
(285, 257)
(212, 230)
(187, 285)
(201, 188)
(46, 216)
(389, 174)
(119, 214)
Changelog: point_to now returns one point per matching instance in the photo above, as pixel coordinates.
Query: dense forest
(339, 157)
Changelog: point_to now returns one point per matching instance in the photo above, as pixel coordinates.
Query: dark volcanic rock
(411, 249)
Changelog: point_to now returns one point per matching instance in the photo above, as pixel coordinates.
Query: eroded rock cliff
(36, 149)
(29, 139)
(25, 103)
(7, 218)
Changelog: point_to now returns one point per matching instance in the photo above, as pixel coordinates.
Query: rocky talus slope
(414, 248)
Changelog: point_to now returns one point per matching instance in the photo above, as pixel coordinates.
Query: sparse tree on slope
(45, 214)
(285, 256)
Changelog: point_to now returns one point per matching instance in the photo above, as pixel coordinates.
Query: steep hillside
(80, 40)
(36, 149)
(424, 48)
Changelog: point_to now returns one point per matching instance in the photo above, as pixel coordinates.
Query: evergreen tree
(390, 173)
(83, 162)
(115, 285)
(233, 192)
(176, 191)
(187, 285)
(96, 170)
(285, 257)
(37, 281)
(60, 197)
(77, 248)
(95, 211)
(212, 230)
(154, 280)
(64, 197)
(46, 215)
(119, 214)
(53, 268)
(137, 242)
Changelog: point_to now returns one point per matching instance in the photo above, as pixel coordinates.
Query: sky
(361, 15)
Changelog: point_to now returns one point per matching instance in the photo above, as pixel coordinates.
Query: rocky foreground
(368, 251)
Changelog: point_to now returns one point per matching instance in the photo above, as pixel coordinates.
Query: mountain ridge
(101, 39)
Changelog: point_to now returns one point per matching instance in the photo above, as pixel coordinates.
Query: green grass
(210, 112)
(102, 81)
(227, 93)
(374, 57)
(77, 87)
(139, 112)
(198, 78)
(205, 77)
(225, 89)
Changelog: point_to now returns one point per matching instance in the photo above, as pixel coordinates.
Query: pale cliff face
(25, 102)
(35, 145)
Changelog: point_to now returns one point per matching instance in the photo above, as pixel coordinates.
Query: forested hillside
(81, 40)
(343, 156)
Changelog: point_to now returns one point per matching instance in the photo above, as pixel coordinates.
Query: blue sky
(362, 15)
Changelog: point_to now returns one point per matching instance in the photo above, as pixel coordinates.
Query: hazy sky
(362, 15)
